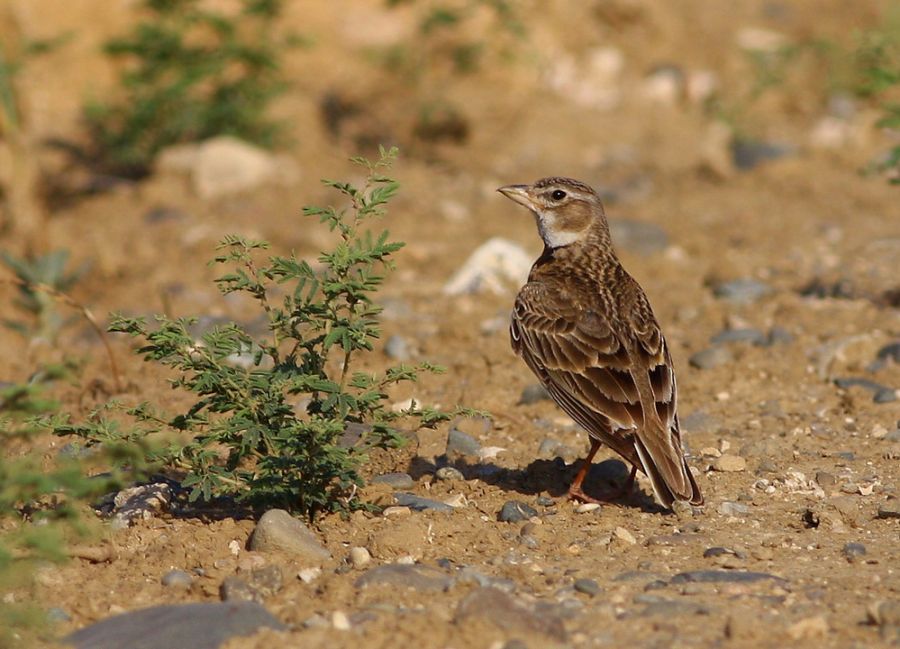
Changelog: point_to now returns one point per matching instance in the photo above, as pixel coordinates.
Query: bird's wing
(600, 380)
(582, 363)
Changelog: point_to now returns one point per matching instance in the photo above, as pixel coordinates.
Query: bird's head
(567, 211)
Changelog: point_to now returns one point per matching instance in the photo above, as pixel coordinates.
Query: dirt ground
(574, 98)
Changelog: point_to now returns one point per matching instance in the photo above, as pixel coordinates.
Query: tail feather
(670, 476)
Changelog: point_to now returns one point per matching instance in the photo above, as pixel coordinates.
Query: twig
(86, 312)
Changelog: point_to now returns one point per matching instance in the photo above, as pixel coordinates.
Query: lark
(584, 326)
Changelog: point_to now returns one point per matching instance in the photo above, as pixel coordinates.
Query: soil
(821, 461)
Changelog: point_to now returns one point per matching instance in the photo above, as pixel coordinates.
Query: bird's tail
(669, 474)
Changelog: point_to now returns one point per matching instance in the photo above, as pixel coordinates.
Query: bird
(585, 328)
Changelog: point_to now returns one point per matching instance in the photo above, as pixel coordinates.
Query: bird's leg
(575, 491)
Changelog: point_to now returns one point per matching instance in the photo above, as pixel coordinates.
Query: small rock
(395, 480)
(502, 611)
(199, 626)
(728, 508)
(309, 575)
(744, 290)
(277, 531)
(456, 501)
(752, 336)
(886, 395)
(853, 551)
(340, 621)
(359, 557)
(885, 613)
(412, 576)
(586, 508)
(748, 154)
(396, 348)
(723, 576)
(729, 463)
(718, 551)
(495, 266)
(396, 512)
(449, 473)
(780, 336)
(515, 511)
(700, 422)
(259, 585)
(664, 85)
(56, 615)
(889, 352)
(141, 503)
(161, 214)
(547, 449)
(532, 394)
(808, 628)
(177, 579)
(889, 509)
(643, 237)
(711, 357)
(825, 480)
(419, 504)
(624, 535)
(587, 586)
(460, 444)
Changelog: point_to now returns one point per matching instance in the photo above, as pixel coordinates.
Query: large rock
(226, 165)
(495, 266)
(185, 626)
(278, 531)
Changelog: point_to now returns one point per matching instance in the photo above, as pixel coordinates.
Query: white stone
(495, 266)
(585, 508)
(359, 557)
(624, 535)
(340, 621)
(225, 165)
(309, 575)
(701, 85)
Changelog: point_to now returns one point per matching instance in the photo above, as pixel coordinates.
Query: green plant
(268, 411)
(193, 73)
(40, 280)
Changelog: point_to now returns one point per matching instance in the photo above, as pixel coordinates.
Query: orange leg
(577, 493)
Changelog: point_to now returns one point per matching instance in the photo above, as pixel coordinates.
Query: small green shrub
(269, 410)
(193, 73)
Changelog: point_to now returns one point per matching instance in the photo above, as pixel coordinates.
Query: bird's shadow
(547, 476)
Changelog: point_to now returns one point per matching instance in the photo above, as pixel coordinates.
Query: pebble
(587, 586)
(748, 154)
(410, 576)
(889, 509)
(396, 348)
(547, 448)
(624, 535)
(825, 479)
(419, 504)
(745, 290)
(359, 557)
(277, 531)
(396, 512)
(496, 266)
(142, 502)
(515, 511)
(700, 422)
(461, 444)
(723, 576)
(585, 508)
(780, 336)
(449, 473)
(881, 393)
(729, 508)
(711, 357)
(643, 237)
(259, 584)
(176, 579)
(198, 625)
(753, 336)
(532, 394)
(718, 551)
(395, 480)
(729, 463)
(309, 575)
(340, 621)
(853, 551)
(501, 610)
(56, 614)
(810, 627)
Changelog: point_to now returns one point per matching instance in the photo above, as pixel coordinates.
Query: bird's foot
(577, 494)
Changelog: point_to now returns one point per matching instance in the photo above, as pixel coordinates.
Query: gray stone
(885, 395)
(889, 352)
(142, 502)
(752, 336)
(460, 444)
(780, 336)
(889, 509)
(515, 511)
(278, 531)
(673, 608)
(711, 357)
(395, 480)
(396, 348)
(57, 615)
(729, 508)
(419, 504)
(176, 579)
(469, 574)
(185, 626)
(881, 393)
(700, 422)
(258, 585)
(719, 551)
(723, 576)
(532, 394)
(587, 586)
(853, 551)
(449, 473)
(413, 576)
(547, 449)
(162, 214)
(748, 154)
(502, 611)
(744, 290)
(642, 237)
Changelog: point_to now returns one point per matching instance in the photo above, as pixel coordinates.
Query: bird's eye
(558, 195)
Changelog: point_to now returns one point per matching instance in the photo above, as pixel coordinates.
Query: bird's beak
(517, 193)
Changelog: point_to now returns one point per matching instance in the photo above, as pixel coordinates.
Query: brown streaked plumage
(584, 326)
